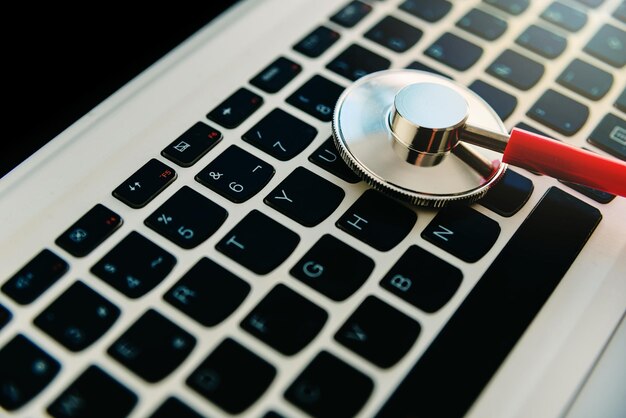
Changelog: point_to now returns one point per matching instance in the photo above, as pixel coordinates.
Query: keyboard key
(153, 347)
(508, 195)
(305, 197)
(94, 393)
(258, 243)
(351, 14)
(423, 280)
(187, 218)
(610, 135)
(280, 135)
(394, 34)
(503, 103)
(5, 316)
(232, 377)
(416, 65)
(597, 195)
(488, 324)
(591, 3)
(273, 414)
(378, 332)
(543, 42)
(378, 220)
(78, 317)
(35, 277)
(356, 62)
(145, 184)
(208, 293)
(564, 16)
(327, 157)
(483, 24)
(514, 7)
(333, 268)
(188, 148)
(608, 45)
(516, 70)
(317, 42)
(454, 52)
(620, 103)
(285, 321)
(236, 109)
(620, 12)
(236, 174)
(585, 79)
(89, 231)
(559, 112)
(26, 371)
(463, 232)
(429, 10)
(317, 97)
(276, 75)
(134, 266)
(173, 407)
(329, 387)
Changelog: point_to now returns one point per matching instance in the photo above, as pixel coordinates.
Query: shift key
(610, 135)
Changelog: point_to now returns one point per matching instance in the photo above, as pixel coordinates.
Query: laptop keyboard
(235, 374)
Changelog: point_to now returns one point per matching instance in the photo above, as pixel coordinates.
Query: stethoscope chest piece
(399, 129)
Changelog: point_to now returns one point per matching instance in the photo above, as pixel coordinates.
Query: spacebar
(455, 368)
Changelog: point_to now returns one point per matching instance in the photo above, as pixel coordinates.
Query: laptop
(194, 245)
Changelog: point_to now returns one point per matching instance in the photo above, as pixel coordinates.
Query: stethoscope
(427, 140)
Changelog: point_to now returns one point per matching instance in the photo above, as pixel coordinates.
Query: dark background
(59, 62)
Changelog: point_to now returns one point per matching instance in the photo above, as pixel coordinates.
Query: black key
(89, 231)
(483, 24)
(509, 195)
(305, 197)
(620, 103)
(236, 174)
(455, 52)
(488, 324)
(94, 394)
(273, 414)
(35, 277)
(5, 316)
(328, 387)
(134, 266)
(610, 135)
(237, 108)
(564, 16)
(463, 232)
(429, 10)
(514, 7)
(351, 14)
(232, 377)
(378, 332)
(285, 321)
(503, 103)
(280, 135)
(378, 220)
(416, 65)
(608, 45)
(542, 42)
(317, 97)
(333, 268)
(585, 79)
(173, 407)
(78, 317)
(527, 127)
(276, 75)
(187, 218)
(208, 293)
(516, 70)
(394, 34)
(26, 371)
(317, 42)
(188, 148)
(356, 62)
(259, 243)
(597, 195)
(327, 157)
(145, 184)
(423, 280)
(559, 112)
(591, 3)
(620, 12)
(153, 347)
